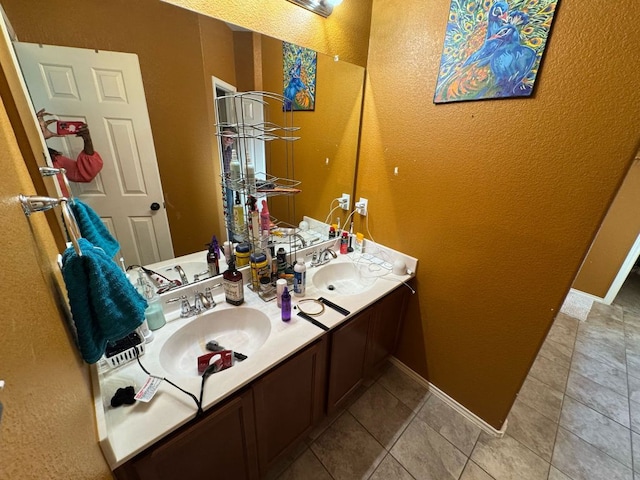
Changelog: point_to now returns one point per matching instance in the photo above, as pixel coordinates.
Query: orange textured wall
(48, 425)
(498, 199)
(616, 236)
(344, 33)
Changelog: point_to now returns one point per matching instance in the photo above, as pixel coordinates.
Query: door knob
(155, 206)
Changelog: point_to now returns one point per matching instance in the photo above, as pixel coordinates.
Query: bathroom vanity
(257, 410)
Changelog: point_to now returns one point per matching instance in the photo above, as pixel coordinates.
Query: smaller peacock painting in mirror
(493, 48)
(300, 66)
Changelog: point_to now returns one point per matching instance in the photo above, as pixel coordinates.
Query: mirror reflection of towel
(92, 228)
(105, 306)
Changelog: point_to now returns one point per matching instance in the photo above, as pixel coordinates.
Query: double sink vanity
(294, 375)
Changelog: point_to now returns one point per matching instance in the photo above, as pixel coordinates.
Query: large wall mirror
(179, 53)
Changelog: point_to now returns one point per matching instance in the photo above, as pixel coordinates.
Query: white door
(104, 89)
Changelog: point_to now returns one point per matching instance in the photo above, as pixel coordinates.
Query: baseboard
(465, 412)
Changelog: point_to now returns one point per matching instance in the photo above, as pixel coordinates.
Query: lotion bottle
(213, 257)
(265, 220)
(238, 216)
(299, 278)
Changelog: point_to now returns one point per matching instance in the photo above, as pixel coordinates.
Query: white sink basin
(243, 330)
(343, 278)
(191, 269)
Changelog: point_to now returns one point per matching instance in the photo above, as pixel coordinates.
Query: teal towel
(92, 228)
(105, 306)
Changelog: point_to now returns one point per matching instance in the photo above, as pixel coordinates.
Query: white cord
(333, 210)
(346, 221)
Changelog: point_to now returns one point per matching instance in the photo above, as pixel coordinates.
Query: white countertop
(128, 430)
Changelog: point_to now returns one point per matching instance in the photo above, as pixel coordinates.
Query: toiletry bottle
(282, 261)
(259, 269)
(212, 258)
(281, 284)
(226, 249)
(233, 286)
(154, 313)
(359, 243)
(299, 278)
(238, 216)
(144, 327)
(250, 175)
(344, 243)
(265, 220)
(234, 169)
(286, 305)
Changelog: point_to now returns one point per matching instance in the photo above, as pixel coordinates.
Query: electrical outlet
(361, 206)
(345, 201)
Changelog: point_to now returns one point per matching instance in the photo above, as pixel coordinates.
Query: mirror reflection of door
(105, 90)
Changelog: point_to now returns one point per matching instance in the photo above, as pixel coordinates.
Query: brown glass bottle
(233, 285)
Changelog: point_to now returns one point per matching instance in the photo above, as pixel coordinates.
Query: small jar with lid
(243, 250)
(260, 269)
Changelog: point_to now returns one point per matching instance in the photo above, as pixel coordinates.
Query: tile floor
(577, 417)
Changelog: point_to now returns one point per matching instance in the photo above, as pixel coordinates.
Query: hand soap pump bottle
(233, 285)
(154, 315)
(299, 278)
(213, 256)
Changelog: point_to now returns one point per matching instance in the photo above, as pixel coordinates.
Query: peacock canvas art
(493, 48)
(299, 68)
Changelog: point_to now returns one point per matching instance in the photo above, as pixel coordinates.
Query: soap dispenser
(154, 315)
(213, 257)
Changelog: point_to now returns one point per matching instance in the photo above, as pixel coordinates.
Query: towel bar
(51, 171)
(37, 203)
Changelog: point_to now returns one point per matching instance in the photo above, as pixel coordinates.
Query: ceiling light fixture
(321, 7)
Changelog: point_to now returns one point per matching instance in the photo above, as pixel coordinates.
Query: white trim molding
(462, 410)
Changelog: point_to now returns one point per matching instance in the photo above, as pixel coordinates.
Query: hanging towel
(92, 228)
(105, 306)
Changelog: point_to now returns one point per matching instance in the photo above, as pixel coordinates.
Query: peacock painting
(493, 48)
(299, 68)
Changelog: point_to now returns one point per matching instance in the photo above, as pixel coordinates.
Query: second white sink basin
(343, 278)
(243, 330)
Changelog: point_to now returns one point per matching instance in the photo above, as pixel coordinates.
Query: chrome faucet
(183, 276)
(299, 237)
(324, 257)
(186, 310)
(202, 302)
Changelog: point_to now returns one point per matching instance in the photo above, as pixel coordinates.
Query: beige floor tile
(601, 399)
(601, 373)
(613, 356)
(347, 450)
(582, 461)
(285, 462)
(532, 429)
(604, 311)
(390, 469)
(550, 373)
(426, 454)
(634, 389)
(557, 352)
(598, 430)
(612, 334)
(507, 459)
(555, 474)
(474, 472)
(634, 414)
(407, 390)
(542, 398)
(306, 466)
(382, 414)
(450, 424)
(635, 442)
(563, 332)
(633, 361)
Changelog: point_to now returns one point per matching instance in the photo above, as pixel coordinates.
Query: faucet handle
(186, 310)
(209, 295)
(201, 302)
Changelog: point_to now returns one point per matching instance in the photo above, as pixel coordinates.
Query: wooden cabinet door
(220, 445)
(289, 401)
(385, 328)
(347, 359)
